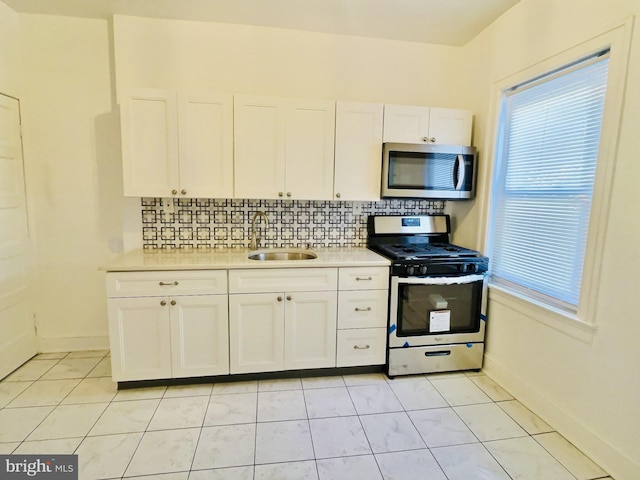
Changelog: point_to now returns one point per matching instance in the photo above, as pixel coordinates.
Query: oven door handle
(440, 280)
(461, 173)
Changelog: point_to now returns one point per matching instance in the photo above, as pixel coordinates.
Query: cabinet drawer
(364, 278)
(283, 280)
(364, 346)
(362, 308)
(152, 284)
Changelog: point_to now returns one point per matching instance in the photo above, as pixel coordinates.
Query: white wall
(10, 66)
(585, 385)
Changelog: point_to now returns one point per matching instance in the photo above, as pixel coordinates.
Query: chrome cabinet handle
(163, 284)
(279, 299)
(368, 309)
(432, 140)
(363, 279)
(173, 302)
(183, 191)
(163, 303)
(280, 194)
(174, 192)
(288, 194)
(337, 195)
(358, 347)
(289, 297)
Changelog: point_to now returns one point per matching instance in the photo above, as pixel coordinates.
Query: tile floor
(458, 426)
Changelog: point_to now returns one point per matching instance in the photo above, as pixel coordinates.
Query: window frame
(580, 323)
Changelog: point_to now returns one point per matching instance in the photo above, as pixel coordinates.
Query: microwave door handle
(461, 172)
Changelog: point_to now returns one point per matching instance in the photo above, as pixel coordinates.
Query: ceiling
(445, 22)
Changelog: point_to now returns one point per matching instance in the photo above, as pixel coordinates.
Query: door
(143, 347)
(256, 332)
(358, 151)
(18, 340)
(310, 330)
(199, 335)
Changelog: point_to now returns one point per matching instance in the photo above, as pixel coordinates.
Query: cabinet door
(149, 143)
(358, 151)
(140, 338)
(361, 346)
(199, 335)
(259, 142)
(406, 124)
(256, 333)
(309, 149)
(206, 145)
(310, 330)
(362, 308)
(448, 126)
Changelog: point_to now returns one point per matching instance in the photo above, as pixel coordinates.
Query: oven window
(438, 309)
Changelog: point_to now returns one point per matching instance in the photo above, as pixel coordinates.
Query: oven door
(437, 310)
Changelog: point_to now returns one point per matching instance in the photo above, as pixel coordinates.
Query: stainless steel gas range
(437, 298)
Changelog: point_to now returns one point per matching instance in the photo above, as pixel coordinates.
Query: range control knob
(423, 269)
(410, 269)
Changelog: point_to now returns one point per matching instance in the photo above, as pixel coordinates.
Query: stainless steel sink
(282, 254)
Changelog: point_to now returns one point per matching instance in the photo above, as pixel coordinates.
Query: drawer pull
(368, 309)
(364, 279)
(163, 284)
(358, 347)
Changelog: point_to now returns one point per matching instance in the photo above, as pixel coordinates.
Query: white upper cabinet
(358, 151)
(177, 144)
(283, 148)
(414, 124)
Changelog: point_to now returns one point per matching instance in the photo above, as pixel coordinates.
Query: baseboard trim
(72, 344)
(616, 464)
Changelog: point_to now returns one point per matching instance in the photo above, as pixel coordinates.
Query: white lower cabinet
(163, 333)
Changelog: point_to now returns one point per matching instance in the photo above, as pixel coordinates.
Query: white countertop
(220, 259)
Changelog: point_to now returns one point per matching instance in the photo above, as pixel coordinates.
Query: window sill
(553, 317)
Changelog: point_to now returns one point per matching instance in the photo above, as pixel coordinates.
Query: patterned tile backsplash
(225, 223)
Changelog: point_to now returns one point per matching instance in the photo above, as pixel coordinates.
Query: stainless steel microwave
(446, 172)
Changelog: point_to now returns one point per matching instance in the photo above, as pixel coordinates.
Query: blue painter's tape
(483, 317)
(392, 328)
(406, 344)
(469, 345)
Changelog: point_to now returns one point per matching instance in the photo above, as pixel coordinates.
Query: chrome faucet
(254, 243)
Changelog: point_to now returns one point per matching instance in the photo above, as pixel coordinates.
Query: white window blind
(546, 163)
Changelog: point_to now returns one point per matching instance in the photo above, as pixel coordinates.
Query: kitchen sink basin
(282, 254)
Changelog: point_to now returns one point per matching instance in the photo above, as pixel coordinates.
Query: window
(546, 157)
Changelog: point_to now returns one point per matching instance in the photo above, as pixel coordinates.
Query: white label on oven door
(439, 321)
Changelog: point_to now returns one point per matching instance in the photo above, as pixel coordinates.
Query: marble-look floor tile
(491, 388)
(51, 356)
(10, 390)
(68, 421)
(391, 432)
(573, 459)
(279, 442)
(225, 446)
(8, 448)
(182, 412)
(16, 424)
(525, 458)
(279, 385)
(338, 437)
(230, 473)
(139, 393)
(71, 368)
(88, 354)
(370, 399)
(102, 369)
(42, 447)
(469, 462)
(164, 451)
(329, 402)
(460, 391)
(488, 422)
(281, 405)
(349, 468)
(417, 393)
(43, 393)
(106, 456)
(409, 465)
(365, 379)
(524, 417)
(441, 427)
(125, 417)
(235, 387)
(198, 389)
(32, 370)
(92, 390)
(322, 382)
(232, 408)
(174, 476)
(287, 471)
